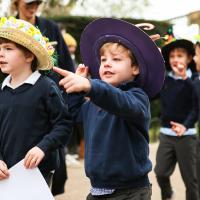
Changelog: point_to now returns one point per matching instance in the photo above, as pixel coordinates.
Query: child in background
(126, 69)
(34, 120)
(197, 108)
(73, 148)
(176, 105)
(72, 45)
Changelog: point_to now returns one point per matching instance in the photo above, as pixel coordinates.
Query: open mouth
(108, 73)
(2, 62)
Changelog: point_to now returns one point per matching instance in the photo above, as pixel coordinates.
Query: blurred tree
(109, 8)
(58, 7)
(106, 8)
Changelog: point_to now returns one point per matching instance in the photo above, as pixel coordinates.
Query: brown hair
(13, 10)
(112, 46)
(197, 44)
(34, 63)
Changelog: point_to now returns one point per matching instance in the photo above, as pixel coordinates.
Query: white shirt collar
(30, 80)
(188, 73)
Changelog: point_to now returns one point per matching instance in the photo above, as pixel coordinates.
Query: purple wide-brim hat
(149, 58)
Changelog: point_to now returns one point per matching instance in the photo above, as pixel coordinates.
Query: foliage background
(76, 24)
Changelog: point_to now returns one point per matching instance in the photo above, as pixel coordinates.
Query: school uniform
(33, 114)
(177, 101)
(116, 123)
(195, 115)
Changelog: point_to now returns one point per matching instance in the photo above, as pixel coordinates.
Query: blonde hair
(69, 40)
(113, 46)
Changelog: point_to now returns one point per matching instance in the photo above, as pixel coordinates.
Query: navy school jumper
(116, 123)
(33, 115)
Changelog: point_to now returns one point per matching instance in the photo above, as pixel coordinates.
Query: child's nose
(106, 65)
(1, 52)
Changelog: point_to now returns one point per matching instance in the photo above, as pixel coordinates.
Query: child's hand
(180, 70)
(82, 70)
(3, 170)
(33, 158)
(178, 128)
(155, 37)
(73, 82)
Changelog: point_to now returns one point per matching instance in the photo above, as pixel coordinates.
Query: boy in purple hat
(116, 117)
(177, 100)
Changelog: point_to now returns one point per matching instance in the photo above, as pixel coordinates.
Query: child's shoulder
(46, 81)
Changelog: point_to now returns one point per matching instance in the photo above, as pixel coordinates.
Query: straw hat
(150, 61)
(27, 35)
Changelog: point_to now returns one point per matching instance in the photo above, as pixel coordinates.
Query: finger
(61, 71)
(70, 90)
(4, 170)
(3, 175)
(173, 123)
(81, 70)
(69, 87)
(38, 162)
(155, 37)
(33, 163)
(68, 84)
(27, 160)
(65, 80)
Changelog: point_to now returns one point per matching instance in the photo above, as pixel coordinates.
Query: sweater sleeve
(131, 105)
(1, 157)
(75, 102)
(60, 121)
(193, 114)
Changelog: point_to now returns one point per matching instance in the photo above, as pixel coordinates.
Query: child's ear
(189, 59)
(29, 57)
(135, 70)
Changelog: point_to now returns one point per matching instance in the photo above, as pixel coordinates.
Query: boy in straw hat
(126, 69)
(33, 118)
(27, 10)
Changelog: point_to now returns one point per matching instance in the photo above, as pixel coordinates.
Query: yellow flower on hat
(197, 38)
(27, 35)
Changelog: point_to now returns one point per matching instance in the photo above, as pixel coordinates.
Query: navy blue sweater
(116, 123)
(33, 115)
(177, 101)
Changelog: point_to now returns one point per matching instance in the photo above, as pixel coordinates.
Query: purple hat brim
(149, 58)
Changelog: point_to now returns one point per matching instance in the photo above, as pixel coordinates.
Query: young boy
(176, 100)
(33, 118)
(116, 114)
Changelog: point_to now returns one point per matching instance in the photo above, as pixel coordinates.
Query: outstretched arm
(73, 82)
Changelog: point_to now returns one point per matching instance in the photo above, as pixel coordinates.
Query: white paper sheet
(24, 184)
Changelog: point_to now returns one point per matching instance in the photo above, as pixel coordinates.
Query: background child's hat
(27, 35)
(180, 43)
(151, 63)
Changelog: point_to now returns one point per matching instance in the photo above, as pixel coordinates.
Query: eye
(117, 59)
(8, 48)
(103, 59)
